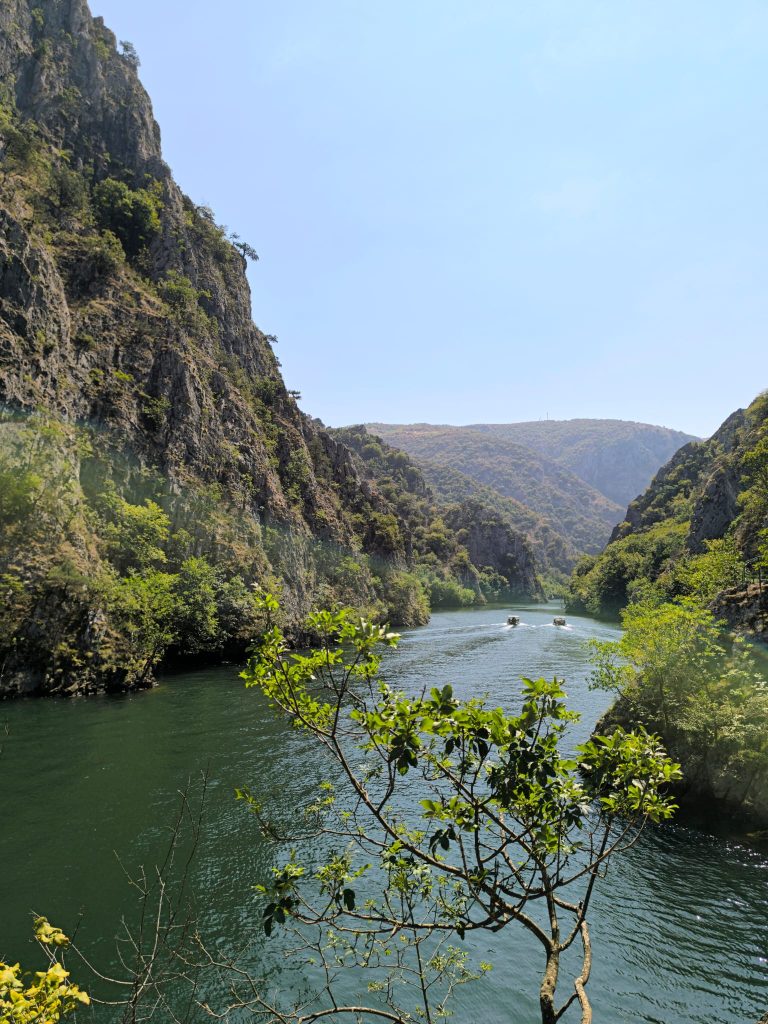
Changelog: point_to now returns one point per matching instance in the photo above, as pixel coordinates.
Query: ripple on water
(679, 925)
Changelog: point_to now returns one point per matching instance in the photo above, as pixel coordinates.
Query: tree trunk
(548, 986)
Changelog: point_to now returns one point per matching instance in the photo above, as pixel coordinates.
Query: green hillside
(577, 511)
(555, 554)
(616, 457)
(695, 529)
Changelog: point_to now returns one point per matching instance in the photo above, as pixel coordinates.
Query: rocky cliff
(710, 492)
(123, 303)
(492, 544)
(151, 454)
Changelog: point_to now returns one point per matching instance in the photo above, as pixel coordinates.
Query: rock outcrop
(125, 311)
(744, 609)
(492, 544)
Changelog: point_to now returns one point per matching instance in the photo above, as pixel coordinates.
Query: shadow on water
(680, 924)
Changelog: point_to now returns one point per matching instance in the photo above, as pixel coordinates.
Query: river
(679, 926)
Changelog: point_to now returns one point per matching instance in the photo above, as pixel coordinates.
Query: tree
(47, 996)
(460, 818)
(130, 53)
(246, 251)
(664, 655)
(135, 535)
(755, 467)
(132, 214)
(676, 669)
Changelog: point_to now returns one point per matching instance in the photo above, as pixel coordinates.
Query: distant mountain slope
(553, 551)
(461, 541)
(616, 457)
(578, 511)
(713, 491)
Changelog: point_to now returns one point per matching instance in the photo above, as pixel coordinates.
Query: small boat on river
(559, 620)
(513, 620)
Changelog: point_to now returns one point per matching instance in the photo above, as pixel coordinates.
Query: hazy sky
(483, 211)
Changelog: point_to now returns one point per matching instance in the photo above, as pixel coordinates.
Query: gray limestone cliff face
(146, 339)
(716, 508)
(83, 337)
(698, 466)
(65, 73)
(492, 543)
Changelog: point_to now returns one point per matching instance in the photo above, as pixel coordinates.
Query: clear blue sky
(483, 211)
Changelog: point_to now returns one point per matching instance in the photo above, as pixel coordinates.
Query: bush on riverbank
(676, 671)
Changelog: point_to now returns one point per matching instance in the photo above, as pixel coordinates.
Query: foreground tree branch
(443, 818)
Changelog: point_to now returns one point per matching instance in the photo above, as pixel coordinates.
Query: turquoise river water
(679, 925)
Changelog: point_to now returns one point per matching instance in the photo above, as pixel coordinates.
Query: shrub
(133, 215)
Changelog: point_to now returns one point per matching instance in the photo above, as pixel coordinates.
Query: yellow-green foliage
(132, 214)
(116, 562)
(406, 598)
(704, 576)
(678, 671)
(42, 997)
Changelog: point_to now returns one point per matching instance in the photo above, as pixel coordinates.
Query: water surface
(679, 926)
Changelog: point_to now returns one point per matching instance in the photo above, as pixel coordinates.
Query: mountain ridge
(582, 514)
(591, 448)
(616, 457)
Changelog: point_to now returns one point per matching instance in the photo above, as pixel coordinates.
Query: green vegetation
(696, 528)
(101, 587)
(603, 584)
(130, 54)
(430, 537)
(133, 215)
(46, 996)
(555, 555)
(570, 506)
(684, 555)
(445, 817)
(108, 571)
(676, 670)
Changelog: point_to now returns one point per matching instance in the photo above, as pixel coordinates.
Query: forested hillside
(616, 457)
(701, 523)
(583, 515)
(555, 554)
(154, 464)
(686, 569)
